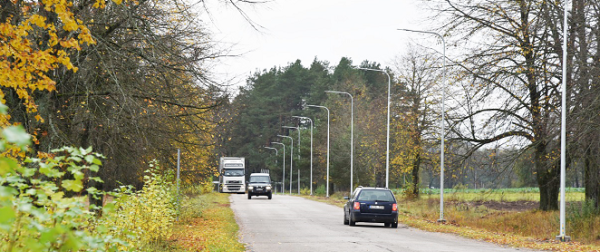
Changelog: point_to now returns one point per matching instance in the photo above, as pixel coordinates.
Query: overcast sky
(305, 29)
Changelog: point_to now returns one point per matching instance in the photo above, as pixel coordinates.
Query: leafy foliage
(25, 61)
(41, 207)
(141, 218)
(35, 213)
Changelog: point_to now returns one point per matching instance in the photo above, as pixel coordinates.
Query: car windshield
(234, 172)
(376, 195)
(259, 179)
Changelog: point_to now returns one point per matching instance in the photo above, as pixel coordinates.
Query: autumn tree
(510, 82)
(129, 79)
(414, 118)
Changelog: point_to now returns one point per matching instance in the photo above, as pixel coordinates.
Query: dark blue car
(370, 204)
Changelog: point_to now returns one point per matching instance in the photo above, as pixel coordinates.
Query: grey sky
(305, 29)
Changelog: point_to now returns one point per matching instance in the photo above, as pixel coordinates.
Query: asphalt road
(288, 223)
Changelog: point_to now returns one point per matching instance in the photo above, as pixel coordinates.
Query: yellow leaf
(39, 119)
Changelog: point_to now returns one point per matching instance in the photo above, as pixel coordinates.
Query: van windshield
(234, 172)
(259, 179)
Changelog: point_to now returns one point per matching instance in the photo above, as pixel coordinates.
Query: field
(504, 216)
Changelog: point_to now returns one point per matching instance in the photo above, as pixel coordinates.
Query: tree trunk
(592, 179)
(415, 174)
(548, 180)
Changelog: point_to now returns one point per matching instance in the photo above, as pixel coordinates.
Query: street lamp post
(283, 167)
(442, 130)
(328, 116)
(387, 151)
(297, 128)
(563, 134)
(351, 134)
(271, 148)
(291, 158)
(276, 152)
(311, 149)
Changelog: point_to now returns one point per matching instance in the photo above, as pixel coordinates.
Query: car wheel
(345, 218)
(351, 221)
(249, 196)
(394, 225)
(270, 195)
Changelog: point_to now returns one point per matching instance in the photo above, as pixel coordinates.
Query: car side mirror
(346, 198)
(247, 182)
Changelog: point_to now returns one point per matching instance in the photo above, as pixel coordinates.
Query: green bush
(35, 213)
(321, 191)
(42, 207)
(144, 217)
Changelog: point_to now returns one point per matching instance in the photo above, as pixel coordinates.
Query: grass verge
(206, 223)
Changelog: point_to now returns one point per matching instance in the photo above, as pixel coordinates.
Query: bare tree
(509, 81)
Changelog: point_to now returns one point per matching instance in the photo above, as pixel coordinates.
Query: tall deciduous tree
(419, 77)
(512, 93)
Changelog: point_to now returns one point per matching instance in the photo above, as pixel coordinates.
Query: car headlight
(268, 188)
(250, 187)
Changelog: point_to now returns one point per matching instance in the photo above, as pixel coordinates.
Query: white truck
(232, 175)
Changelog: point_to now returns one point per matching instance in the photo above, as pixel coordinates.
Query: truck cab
(232, 175)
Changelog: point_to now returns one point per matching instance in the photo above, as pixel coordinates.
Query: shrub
(305, 191)
(143, 217)
(42, 207)
(583, 220)
(35, 213)
(408, 190)
(321, 191)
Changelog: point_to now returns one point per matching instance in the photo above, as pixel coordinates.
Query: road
(288, 223)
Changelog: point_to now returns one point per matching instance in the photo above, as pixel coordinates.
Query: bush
(407, 192)
(583, 220)
(143, 217)
(42, 207)
(321, 190)
(35, 213)
(305, 191)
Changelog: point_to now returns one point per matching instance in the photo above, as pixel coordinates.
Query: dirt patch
(513, 206)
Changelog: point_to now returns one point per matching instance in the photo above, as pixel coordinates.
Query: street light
(283, 167)
(563, 134)
(328, 116)
(291, 159)
(387, 151)
(442, 144)
(297, 128)
(311, 149)
(271, 148)
(276, 152)
(351, 133)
